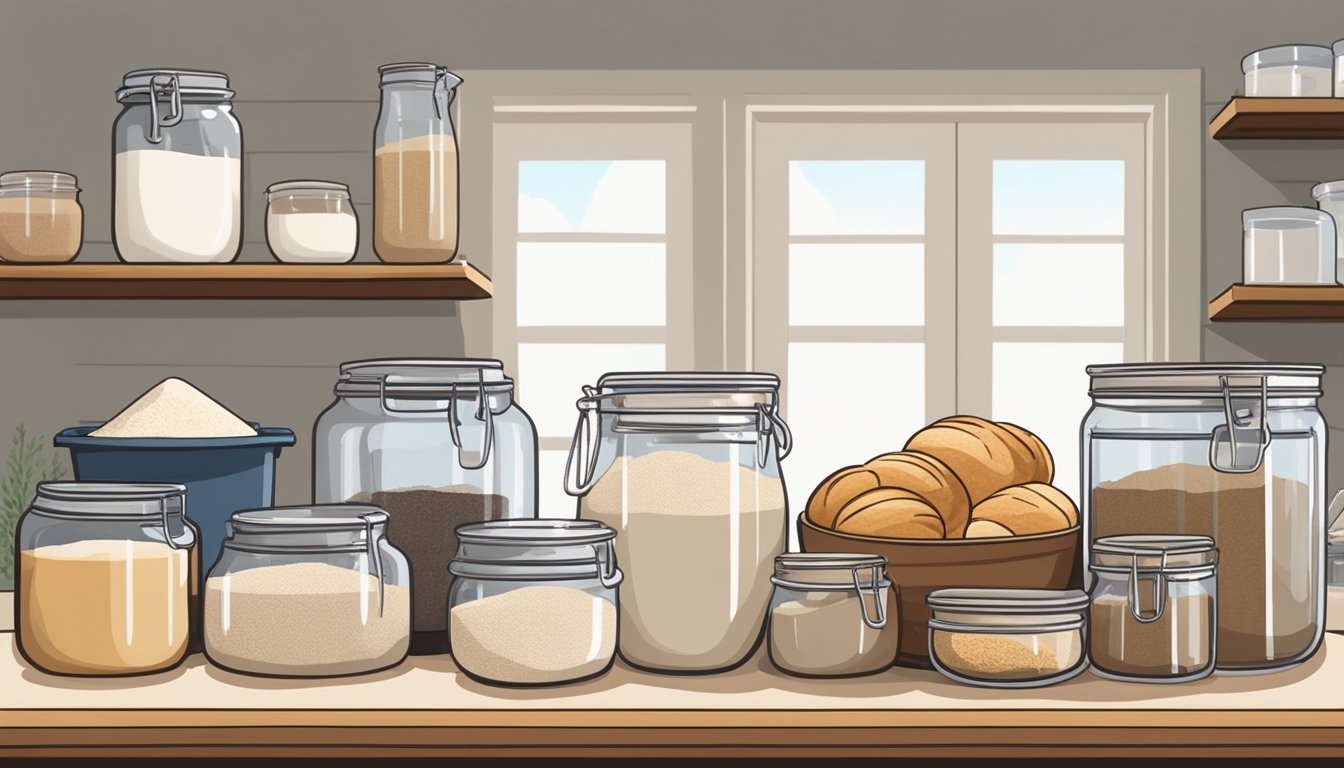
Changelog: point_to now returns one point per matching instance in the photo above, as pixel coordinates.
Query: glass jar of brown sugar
(1154, 608)
(41, 221)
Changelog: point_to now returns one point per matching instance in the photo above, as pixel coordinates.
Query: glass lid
(426, 376)
(308, 518)
(1153, 553)
(1008, 601)
(109, 499)
(1204, 379)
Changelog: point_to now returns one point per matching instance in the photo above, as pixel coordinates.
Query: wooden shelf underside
(1279, 302)
(1262, 118)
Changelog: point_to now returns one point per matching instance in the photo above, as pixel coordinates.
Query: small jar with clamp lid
(831, 615)
(1154, 608)
(308, 592)
(533, 602)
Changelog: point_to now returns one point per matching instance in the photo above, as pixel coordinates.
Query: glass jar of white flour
(311, 222)
(683, 463)
(177, 174)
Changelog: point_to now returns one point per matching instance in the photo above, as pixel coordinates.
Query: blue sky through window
(622, 196)
(856, 197)
(1059, 197)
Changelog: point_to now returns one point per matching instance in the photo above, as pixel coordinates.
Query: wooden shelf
(243, 281)
(1259, 118)
(1279, 302)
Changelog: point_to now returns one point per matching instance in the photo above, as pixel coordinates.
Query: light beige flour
(822, 633)
(534, 635)
(175, 408)
(310, 619)
(415, 200)
(697, 540)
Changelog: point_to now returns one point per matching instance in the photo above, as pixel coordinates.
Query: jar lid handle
(1246, 431)
(1159, 591)
(483, 413)
(158, 122)
(375, 557)
(880, 620)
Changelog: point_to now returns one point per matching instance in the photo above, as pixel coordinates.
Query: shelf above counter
(1279, 302)
(1247, 117)
(352, 282)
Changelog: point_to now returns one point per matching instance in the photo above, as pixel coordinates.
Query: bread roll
(976, 450)
(1023, 510)
(931, 480)
(890, 513)
(835, 491)
(1031, 452)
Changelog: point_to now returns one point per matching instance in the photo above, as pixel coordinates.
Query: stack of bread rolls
(959, 477)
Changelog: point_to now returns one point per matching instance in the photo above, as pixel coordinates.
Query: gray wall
(305, 75)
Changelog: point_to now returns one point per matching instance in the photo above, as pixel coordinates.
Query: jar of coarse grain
(831, 615)
(1008, 638)
(308, 592)
(41, 220)
(533, 602)
(437, 443)
(1154, 608)
(106, 578)
(685, 467)
(1234, 452)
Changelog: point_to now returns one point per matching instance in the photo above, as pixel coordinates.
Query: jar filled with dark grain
(436, 443)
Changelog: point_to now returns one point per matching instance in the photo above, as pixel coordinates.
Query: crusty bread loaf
(977, 450)
(1031, 452)
(892, 513)
(1023, 510)
(931, 480)
(837, 490)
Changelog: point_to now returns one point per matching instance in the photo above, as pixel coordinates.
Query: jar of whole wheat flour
(1233, 452)
(832, 615)
(685, 467)
(415, 165)
(106, 578)
(437, 443)
(177, 173)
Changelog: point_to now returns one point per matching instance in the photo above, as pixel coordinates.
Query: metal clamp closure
(875, 587)
(167, 532)
(484, 413)
(581, 463)
(158, 122)
(768, 421)
(1159, 591)
(375, 557)
(1238, 446)
(607, 572)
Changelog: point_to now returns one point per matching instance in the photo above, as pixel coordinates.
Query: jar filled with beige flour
(415, 165)
(41, 220)
(105, 579)
(1008, 638)
(685, 467)
(533, 602)
(308, 592)
(831, 615)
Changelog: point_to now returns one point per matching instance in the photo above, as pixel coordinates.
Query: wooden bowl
(917, 567)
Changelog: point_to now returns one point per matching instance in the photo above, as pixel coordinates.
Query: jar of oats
(41, 220)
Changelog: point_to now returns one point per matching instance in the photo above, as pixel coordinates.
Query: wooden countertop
(424, 708)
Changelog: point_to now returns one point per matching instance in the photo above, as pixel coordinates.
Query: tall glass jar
(106, 578)
(685, 467)
(177, 173)
(308, 592)
(41, 220)
(415, 165)
(1234, 452)
(437, 443)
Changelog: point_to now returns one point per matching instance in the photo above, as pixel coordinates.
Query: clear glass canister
(311, 222)
(1290, 70)
(1288, 245)
(177, 173)
(415, 165)
(437, 443)
(106, 578)
(1008, 638)
(832, 615)
(308, 592)
(1329, 197)
(41, 220)
(685, 467)
(1234, 452)
(534, 602)
(1154, 608)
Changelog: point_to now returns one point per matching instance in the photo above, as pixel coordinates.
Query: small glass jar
(1290, 71)
(831, 615)
(534, 602)
(1288, 245)
(1329, 197)
(311, 222)
(177, 174)
(415, 165)
(308, 592)
(1154, 608)
(41, 220)
(1008, 638)
(106, 578)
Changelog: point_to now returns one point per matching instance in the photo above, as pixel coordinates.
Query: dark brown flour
(1175, 645)
(1242, 514)
(420, 523)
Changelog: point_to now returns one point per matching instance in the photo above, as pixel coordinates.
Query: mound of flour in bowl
(175, 408)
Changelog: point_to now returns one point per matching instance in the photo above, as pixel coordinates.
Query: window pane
(552, 501)
(847, 403)
(1043, 387)
(1059, 197)
(551, 377)
(592, 284)
(1059, 284)
(625, 196)
(856, 284)
(856, 197)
